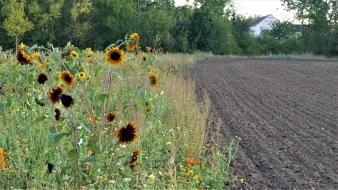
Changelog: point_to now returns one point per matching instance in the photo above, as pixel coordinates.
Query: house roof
(258, 20)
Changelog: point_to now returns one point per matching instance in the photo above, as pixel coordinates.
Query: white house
(263, 23)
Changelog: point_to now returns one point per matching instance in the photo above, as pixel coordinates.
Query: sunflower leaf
(39, 102)
(72, 155)
(56, 137)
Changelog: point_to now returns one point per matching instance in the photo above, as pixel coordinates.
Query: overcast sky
(258, 7)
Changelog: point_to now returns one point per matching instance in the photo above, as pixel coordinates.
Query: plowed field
(285, 112)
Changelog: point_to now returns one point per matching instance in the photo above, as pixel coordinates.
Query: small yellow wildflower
(241, 180)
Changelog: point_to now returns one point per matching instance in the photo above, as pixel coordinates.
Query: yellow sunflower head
(21, 46)
(67, 78)
(89, 52)
(153, 79)
(133, 41)
(74, 55)
(115, 56)
(81, 75)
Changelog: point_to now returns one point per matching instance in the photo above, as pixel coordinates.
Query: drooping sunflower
(55, 94)
(57, 114)
(81, 75)
(127, 134)
(133, 41)
(67, 78)
(111, 117)
(153, 79)
(115, 56)
(24, 58)
(42, 78)
(67, 100)
(74, 55)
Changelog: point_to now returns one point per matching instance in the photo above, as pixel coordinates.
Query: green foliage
(16, 22)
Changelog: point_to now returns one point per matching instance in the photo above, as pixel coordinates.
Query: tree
(322, 19)
(16, 23)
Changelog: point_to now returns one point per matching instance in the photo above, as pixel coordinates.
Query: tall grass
(40, 152)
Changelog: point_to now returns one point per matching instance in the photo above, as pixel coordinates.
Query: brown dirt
(285, 112)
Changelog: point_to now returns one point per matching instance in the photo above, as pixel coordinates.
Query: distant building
(263, 23)
(298, 29)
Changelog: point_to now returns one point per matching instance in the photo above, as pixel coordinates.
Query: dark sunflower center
(68, 78)
(115, 56)
(152, 80)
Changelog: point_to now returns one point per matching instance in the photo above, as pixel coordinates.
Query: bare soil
(285, 112)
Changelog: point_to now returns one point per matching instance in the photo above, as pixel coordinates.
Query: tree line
(211, 26)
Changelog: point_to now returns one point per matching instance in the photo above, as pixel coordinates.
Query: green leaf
(56, 137)
(39, 119)
(88, 159)
(65, 170)
(72, 155)
(102, 97)
(39, 102)
(93, 147)
(3, 106)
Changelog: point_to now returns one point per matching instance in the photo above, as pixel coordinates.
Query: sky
(259, 8)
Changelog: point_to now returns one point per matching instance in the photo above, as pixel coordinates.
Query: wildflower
(127, 134)
(2, 159)
(74, 55)
(153, 79)
(54, 94)
(241, 180)
(111, 117)
(57, 114)
(67, 78)
(114, 56)
(132, 43)
(191, 162)
(81, 75)
(42, 78)
(132, 164)
(151, 178)
(67, 100)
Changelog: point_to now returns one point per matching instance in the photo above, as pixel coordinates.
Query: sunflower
(54, 94)
(89, 52)
(67, 100)
(66, 53)
(111, 117)
(153, 79)
(132, 43)
(144, 57)
(67, 78)
(42, 78)
(127, 134)
(81, 75)
(24, 58)
(21, 46)
(57, 114)
(74, 55)
(114, 56)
